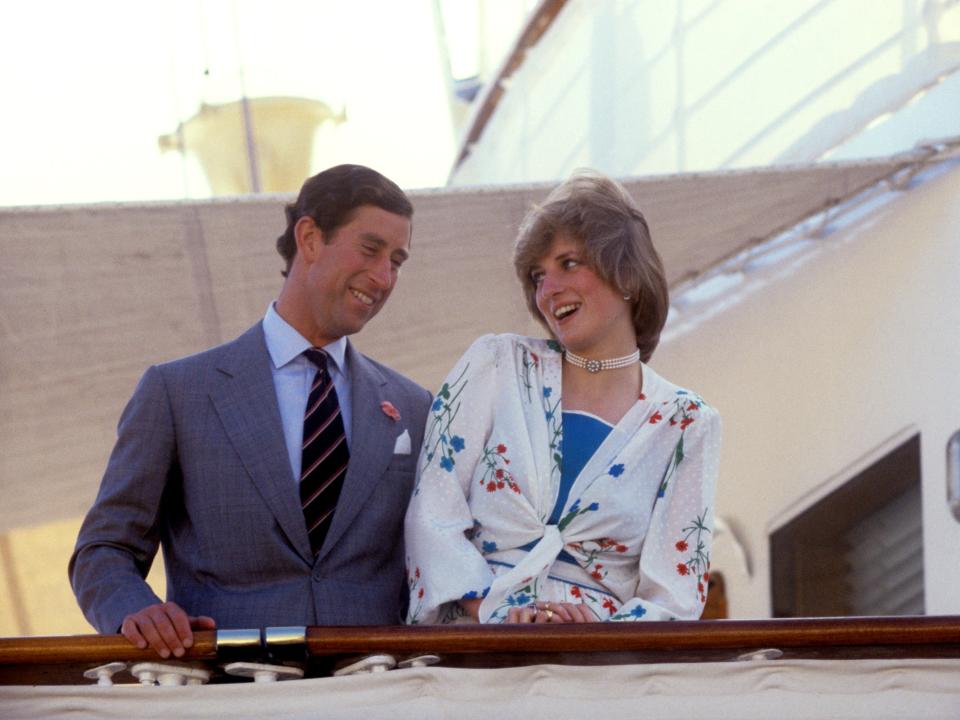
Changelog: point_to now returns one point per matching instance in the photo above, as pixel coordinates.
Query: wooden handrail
(653, 636)
(40, 660)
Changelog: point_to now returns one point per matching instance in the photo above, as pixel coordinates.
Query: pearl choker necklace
(595, 366)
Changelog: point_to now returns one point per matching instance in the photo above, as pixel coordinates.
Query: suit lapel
(371, 444)
(246, 401)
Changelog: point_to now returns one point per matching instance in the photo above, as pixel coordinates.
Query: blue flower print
(437, 404)
(549, 415)
(593, 506)
(616, 470)
(547, 391)
(457, 443)
(519, 600)
(638, 612)
(446, 463)
(489, 546)
(473, 594)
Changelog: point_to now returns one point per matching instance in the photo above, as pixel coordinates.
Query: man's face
(350, 273)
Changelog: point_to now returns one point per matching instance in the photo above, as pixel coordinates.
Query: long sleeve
(119, 537)
(675, 556)
(443, 563)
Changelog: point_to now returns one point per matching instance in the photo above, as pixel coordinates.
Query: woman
(564, 480)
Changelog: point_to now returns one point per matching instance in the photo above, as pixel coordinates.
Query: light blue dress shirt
(293, 376)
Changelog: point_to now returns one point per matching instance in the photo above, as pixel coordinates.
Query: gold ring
(546, 606)
(549, 613)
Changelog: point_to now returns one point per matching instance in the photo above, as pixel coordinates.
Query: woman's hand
(551, 612)
(472, 607)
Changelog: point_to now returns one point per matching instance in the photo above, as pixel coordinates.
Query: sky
(89, 87)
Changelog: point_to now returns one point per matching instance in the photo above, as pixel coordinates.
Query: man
(274, 470)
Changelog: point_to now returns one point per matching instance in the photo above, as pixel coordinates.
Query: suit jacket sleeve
(120, 536)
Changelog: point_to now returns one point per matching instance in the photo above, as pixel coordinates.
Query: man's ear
(309, 238)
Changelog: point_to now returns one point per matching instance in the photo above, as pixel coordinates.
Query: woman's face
(583, 312)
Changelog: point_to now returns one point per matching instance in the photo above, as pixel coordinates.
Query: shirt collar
(285, 344)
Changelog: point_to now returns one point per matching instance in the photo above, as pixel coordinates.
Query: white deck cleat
(369, 664)
(764, 654)
(169, 674)
(419, 661)
(103, 674)
(261, 672)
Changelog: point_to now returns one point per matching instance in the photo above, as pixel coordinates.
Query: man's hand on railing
(165, 627)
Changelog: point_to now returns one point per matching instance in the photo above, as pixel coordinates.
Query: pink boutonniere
(390, 411)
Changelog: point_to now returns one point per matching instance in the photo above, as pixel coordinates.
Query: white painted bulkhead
(821, 365)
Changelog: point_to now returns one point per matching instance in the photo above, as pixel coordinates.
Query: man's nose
(382, 272)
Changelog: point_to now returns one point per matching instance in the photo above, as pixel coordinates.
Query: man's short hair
(331, 198)
(599, 212)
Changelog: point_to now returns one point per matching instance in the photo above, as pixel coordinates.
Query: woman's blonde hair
(599, 213)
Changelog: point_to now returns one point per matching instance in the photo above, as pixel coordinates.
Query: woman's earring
(626, 297)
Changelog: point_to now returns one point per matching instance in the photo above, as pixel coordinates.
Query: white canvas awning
(842, 690)
(91, 295)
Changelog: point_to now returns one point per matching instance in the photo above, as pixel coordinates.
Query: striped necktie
(325, 453)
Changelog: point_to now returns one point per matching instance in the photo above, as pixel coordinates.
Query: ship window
(953, 474)
(859, 550)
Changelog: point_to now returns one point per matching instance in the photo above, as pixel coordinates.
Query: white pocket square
(402, 446)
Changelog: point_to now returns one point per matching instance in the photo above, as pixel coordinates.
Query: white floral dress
(633, 540)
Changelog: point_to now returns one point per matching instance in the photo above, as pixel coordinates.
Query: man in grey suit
(210, 449)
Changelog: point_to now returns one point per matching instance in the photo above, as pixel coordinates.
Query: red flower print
(499, 473)
(692, 406)
(682, 569)
(706, 576)
(685, 422)
(621, 548)
(608, 604)
(416, 572)
(389, 410)
(575, 591)
(682, 545)
(642, 396)
(501, 448)
(656, 417)
(491, 486)
(420, 594)
(500, 485)
(700, 587)
(535, 357)
(515, 488)
(596, 575)
(672, 421)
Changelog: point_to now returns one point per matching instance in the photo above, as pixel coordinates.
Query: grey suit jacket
(200, 468)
